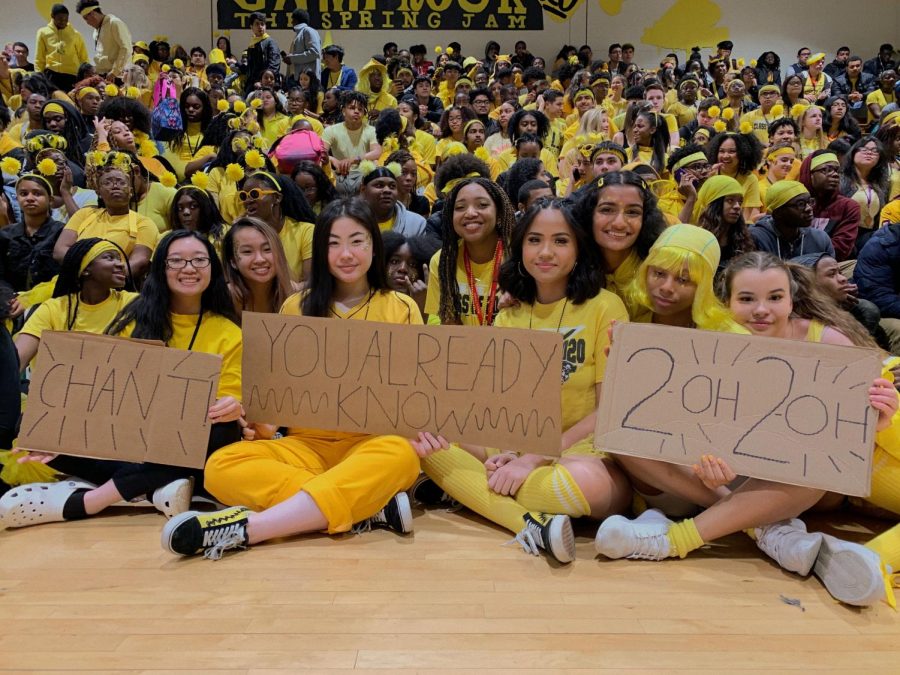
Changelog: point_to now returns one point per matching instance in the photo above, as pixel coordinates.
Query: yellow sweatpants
(350, 477)
(548, 489)
(886, 495)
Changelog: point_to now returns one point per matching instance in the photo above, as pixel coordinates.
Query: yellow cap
(781, 192)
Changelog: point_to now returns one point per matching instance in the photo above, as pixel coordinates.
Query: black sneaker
(428, 493)
(552, 533)
(193, 532)
(395, 516)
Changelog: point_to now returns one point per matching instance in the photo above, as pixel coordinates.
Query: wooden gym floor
(101, 596)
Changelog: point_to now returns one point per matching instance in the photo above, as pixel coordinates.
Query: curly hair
(512, 128)
(451, 309)
(749, 150)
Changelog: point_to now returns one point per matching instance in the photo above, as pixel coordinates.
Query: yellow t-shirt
(881, 99)
(585, 334)
(750, 183)
(507, 158)
(226, 193)
(54, 314)
(189, 150)
(425, 145)
(760, 124)
(684, 114)
(619, 280)
(297, 240)
(128, 231)
(157, 206)
(483, 273)
(217, 335)
(276, 127)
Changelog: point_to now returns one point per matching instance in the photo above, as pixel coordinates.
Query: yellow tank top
(815, 331)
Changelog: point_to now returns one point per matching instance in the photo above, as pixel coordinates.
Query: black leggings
(138, 480)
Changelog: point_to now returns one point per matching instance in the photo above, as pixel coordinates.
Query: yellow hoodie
(61, 51)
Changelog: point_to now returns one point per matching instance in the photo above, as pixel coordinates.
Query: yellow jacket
(61, 51)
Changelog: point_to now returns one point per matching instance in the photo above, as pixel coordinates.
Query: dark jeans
(138, 480)
(868, 315)
(62, 81)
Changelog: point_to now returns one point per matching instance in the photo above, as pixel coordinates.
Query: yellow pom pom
(121, 161)
(714, 111)
(166, 68)
(797, 109)
(254, 159)
(746, 127)
(720, 126)
(168, 179)
(240, 107)
(239, 144)
(438, 49)
(97, 158)
(132, 92)
(260, 143)
(253, 127)
(178, 63)
(47, 167)
(147, 148)
(12, 166)
(111, 90)
(394, 168)
(740, 63)
(482, 154)
(160, 38)
(728, 114)
(366, 167)
(222, 105)
(200, 180)
(256, 103)
(234, 123)
(753, 63)
(455, 148)
(390, 145)
(234, 172)
(777, 110)
(573, 60)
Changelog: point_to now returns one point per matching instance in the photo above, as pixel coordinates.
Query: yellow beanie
(714, 188)
(781, 192)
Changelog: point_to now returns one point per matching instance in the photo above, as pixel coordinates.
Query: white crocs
(37, 503)
(174, 498)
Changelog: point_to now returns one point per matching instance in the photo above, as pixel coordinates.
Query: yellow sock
(463, 477)
(887, 545)
(684, 538)
(551, 489)
(885, 492)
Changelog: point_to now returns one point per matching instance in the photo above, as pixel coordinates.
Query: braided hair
(68, 283)
(450, 308)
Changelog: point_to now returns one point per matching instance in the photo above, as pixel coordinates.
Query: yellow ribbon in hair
(448, 188)
(95, 252)
(84, 91)
(690, 159)
(54, 107)
(824, 158)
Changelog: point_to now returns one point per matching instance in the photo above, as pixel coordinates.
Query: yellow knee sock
(551, 489)
(463, 477)
(887, 545)
(684, 538)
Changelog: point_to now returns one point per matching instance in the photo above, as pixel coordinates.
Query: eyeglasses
(868, 151)
(254, 194)
(181, 263)
(113, 182)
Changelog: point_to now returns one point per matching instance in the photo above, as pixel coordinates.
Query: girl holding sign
(185, 303)
(553, 273)
(314, 480)
(465, 284)
(768, 298)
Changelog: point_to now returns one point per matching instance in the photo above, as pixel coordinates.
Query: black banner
(388, 14)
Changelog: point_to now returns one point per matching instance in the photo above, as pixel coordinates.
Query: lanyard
(481, 311)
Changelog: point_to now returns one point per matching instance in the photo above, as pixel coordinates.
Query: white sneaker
(174, 498)
(850, 572)
(789, 544)
(644, 538)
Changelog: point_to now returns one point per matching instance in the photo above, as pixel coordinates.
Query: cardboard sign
(788, 411)
(115, 398)
(496, 387)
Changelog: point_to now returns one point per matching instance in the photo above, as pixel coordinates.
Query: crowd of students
(160, 194)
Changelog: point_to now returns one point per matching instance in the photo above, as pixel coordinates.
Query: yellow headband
(891, 117)
(87, 10)
(601, 150)
(824, 158)
(781, 151)
(37, 178)
(448, 188)
(815, 58)
(84, 91)
(54, 108)
(95, 252)
(586, 92)
(690, 159)
(269, 176)
(469, 124)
